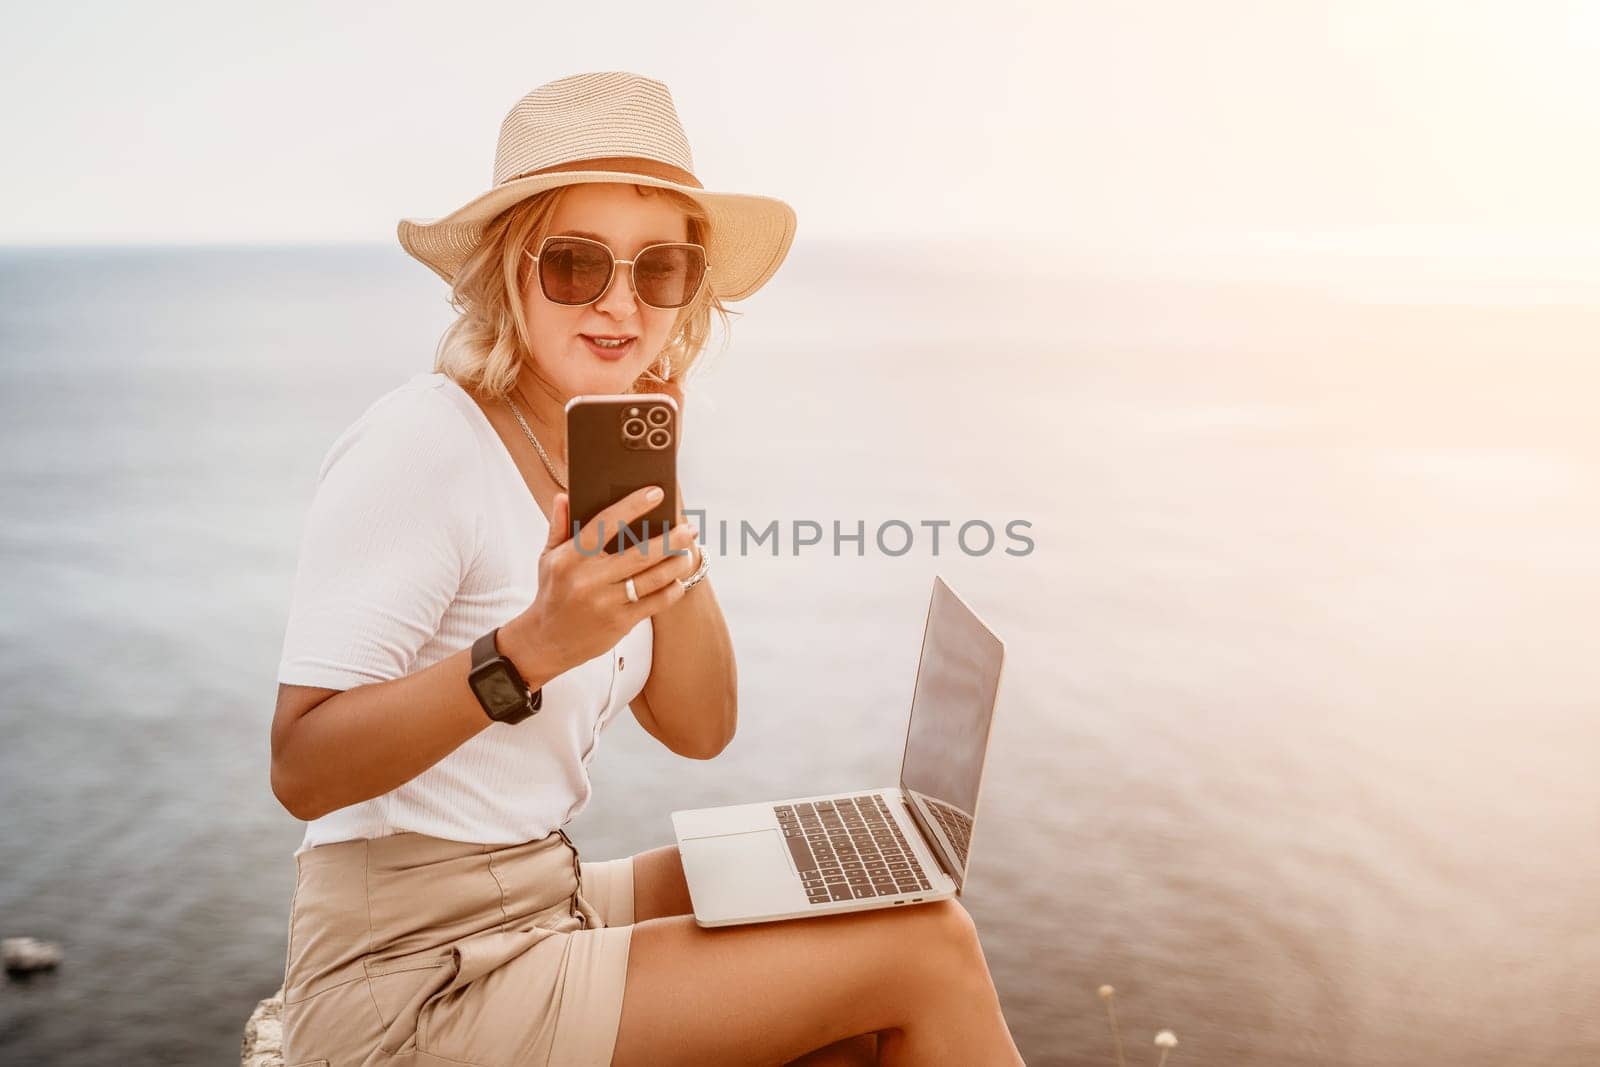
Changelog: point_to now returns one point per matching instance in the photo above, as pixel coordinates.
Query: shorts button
(620, 662)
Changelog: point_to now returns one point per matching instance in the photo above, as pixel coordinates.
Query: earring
(666, 368)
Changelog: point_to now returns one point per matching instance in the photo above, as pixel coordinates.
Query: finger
(664, 572)
(676, 546)
(655, 601)
(559, 526)
(605, 525)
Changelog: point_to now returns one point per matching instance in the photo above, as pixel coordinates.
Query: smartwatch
(497, 684)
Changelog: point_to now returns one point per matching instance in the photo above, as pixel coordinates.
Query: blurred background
(1278, 322)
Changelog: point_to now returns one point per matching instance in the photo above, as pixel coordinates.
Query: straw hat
(612, 127)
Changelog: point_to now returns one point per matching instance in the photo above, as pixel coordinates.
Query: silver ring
(633, 594)
(699, 572)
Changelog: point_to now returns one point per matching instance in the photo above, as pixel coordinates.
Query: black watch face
(501, 692)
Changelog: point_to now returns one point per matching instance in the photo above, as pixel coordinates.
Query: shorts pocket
(399, 988)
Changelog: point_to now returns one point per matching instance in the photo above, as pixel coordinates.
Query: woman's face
(564, 338)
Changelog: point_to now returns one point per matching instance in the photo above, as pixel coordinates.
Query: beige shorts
(413, 949)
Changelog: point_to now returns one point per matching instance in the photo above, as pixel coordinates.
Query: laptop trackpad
(734, 874)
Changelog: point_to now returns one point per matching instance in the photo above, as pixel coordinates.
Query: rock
(24, 954)
(263, 1034)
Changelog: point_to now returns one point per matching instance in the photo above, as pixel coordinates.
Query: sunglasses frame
(705, 269)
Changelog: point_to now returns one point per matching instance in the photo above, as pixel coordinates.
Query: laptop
(876, 848)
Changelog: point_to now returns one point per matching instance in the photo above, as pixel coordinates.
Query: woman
(441, 915)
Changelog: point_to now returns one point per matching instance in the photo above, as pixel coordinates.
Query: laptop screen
(958, 679)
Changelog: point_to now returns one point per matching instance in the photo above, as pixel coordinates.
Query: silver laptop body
(877, 848)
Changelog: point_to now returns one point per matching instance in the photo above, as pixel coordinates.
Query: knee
(948, 928)
(924, 955)
(938, 959)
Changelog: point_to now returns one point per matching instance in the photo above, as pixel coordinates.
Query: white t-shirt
(422, 537)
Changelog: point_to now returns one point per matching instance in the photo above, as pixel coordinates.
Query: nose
(618, 299)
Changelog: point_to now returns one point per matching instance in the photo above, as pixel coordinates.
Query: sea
(1298, 743)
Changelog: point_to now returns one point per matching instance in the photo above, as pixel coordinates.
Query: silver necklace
(537, 447)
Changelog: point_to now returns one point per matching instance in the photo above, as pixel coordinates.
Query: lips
(607, 347)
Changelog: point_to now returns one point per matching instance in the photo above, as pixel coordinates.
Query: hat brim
(750, 235)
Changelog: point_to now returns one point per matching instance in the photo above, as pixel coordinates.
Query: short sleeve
(390, 536)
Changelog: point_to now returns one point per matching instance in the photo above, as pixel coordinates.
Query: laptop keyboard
(849, 848)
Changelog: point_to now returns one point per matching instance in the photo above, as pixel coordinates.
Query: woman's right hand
(581, 608)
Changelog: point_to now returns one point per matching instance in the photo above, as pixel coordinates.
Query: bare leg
(658, 886)
(917, 973)
(851, 1052)
(659, 890)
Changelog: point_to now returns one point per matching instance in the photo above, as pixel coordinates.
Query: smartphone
(615, 446)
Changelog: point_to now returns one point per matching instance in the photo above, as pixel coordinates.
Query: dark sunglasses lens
(668, 276)
(573, 272)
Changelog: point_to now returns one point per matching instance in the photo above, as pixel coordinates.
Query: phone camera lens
(660, 438)
(633, 429)
(659, 416)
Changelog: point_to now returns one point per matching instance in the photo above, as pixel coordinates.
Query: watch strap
(485, 651)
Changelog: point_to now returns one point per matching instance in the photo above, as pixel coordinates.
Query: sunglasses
(575, 271)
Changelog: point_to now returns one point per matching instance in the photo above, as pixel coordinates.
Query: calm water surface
(1298, 736)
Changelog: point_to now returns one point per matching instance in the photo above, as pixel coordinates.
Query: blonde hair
(487, 344)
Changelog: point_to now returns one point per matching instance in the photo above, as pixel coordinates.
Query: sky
(1471, 129)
